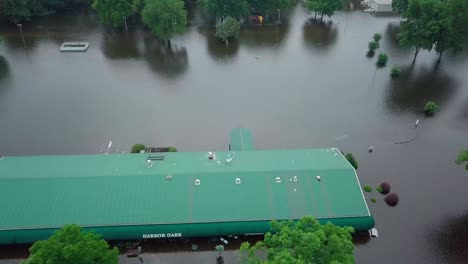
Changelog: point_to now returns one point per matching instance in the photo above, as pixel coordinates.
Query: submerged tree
(165, 18)
(463, 159)
(229, 28)
(306, 241)
(221, 9)
(324, 7)
(113, 12)
(15, 10)
(420, 28)
(71, 245)
(453, 27)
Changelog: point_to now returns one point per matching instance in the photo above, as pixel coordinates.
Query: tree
(229, 28)
(453, 29)
(352, 160)
(324, 7)
(221, 9)
(431, 108)
(306, 241)
(382, 59)
(15, 10)
(269, 8)
(72, 246)
(463, 158)
(165, 18)
(400, 6)
(421, 26)
(113, 12)
(137, 148)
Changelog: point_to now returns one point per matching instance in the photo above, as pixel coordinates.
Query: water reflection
(4, 69)
(318, 35)
(450, 240)
(118, 45)
(218, 49)
(263, 36)
(169, 61)
(415, 87)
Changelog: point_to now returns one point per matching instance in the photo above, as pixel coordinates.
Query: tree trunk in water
(315, 17)
(321, 18)
(227, 42)
(416, 54)
(440, 56)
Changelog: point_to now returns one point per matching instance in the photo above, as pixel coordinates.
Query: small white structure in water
(373, 232)
(74, 46)
(380, 5)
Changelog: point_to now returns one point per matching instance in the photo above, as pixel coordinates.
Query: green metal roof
(124, 189)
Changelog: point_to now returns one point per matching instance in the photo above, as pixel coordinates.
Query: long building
(183, 194)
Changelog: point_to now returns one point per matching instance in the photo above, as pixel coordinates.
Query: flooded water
(300, 85)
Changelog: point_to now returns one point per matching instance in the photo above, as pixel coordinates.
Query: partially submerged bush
(379, 189)
(227, 29)
(377, 37)
(395, 72)
(352, 160)
(431, 108)
(137, 148)
(382, 59)
(373, 200)
(385, 187)
(367, 188)
(373, 45)
(392, 199)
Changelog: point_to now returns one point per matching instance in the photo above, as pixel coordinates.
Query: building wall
(174, 230)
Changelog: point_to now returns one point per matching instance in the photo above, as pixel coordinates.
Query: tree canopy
(435, 24)
(113, 12)
(306, 241)
(19, 10)
(165, 18)
(72, 246)
(269, 8)
(224, 8)
(400, 6)
(227, 29)
(463, 158)
(324, 7)
(421, 26)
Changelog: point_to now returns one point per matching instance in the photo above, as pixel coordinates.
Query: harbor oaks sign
(168, 235)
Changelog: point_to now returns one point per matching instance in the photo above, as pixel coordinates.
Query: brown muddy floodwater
(311, 86)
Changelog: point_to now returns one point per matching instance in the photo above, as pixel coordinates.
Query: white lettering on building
(146, 236)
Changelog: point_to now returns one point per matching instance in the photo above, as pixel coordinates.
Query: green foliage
(352, 160)
(367, 188)
(113, 12)
(463, 158)
(373, 45)
(379, 189)
(373, 200)
(165, 18)
(324, 7)
(269, 8)
(306, 241)
(221, 9)
(395, 72)
(172, 149)
(431, 108)
(382, 59)
(229, 28)
(72, 246)
(137, 148)
(452, 26)
(377, 37)
(400, 6)
(422, 25)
